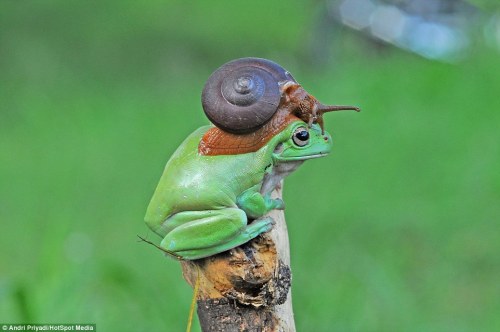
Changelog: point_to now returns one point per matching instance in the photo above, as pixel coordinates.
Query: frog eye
(301, 136)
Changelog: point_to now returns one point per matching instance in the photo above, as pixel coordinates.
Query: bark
(246, 288)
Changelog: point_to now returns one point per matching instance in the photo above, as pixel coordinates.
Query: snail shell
(243, 94)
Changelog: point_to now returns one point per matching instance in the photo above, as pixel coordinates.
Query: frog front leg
(198, 234)
(255, 204)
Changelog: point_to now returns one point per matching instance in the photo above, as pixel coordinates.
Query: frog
(207, 204)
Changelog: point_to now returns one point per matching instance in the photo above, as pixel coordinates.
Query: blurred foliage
(486, 4)
(397, 230)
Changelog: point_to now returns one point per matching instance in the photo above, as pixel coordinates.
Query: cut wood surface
(246, 288)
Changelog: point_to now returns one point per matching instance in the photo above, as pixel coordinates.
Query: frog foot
(259, 226)
(279, 204)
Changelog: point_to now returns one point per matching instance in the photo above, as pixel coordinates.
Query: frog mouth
(311, 156)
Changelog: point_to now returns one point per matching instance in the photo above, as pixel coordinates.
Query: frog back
(193, 182)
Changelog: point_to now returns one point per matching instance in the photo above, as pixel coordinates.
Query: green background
(396, 230)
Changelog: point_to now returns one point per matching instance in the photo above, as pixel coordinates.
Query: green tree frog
(204, 204)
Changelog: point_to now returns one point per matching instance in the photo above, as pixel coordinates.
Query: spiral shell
(243, 94)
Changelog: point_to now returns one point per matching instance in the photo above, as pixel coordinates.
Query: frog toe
(259, 226)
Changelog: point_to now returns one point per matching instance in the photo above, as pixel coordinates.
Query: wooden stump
(246, 288)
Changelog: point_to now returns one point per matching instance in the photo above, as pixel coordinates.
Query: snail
(249, 100)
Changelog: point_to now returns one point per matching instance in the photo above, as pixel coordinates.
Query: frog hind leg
(198, 234)
(251, 231)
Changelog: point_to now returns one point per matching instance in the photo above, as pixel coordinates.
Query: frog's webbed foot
(259, 226)
(279, 204)
(256, 204)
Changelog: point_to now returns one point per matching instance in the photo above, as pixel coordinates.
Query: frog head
(299, 142)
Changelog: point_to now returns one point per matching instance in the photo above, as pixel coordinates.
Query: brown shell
(218, 142)
(243, 94)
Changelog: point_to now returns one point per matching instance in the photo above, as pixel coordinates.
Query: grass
(396, 230)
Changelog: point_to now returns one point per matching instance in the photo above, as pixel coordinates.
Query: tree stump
(247, 288)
